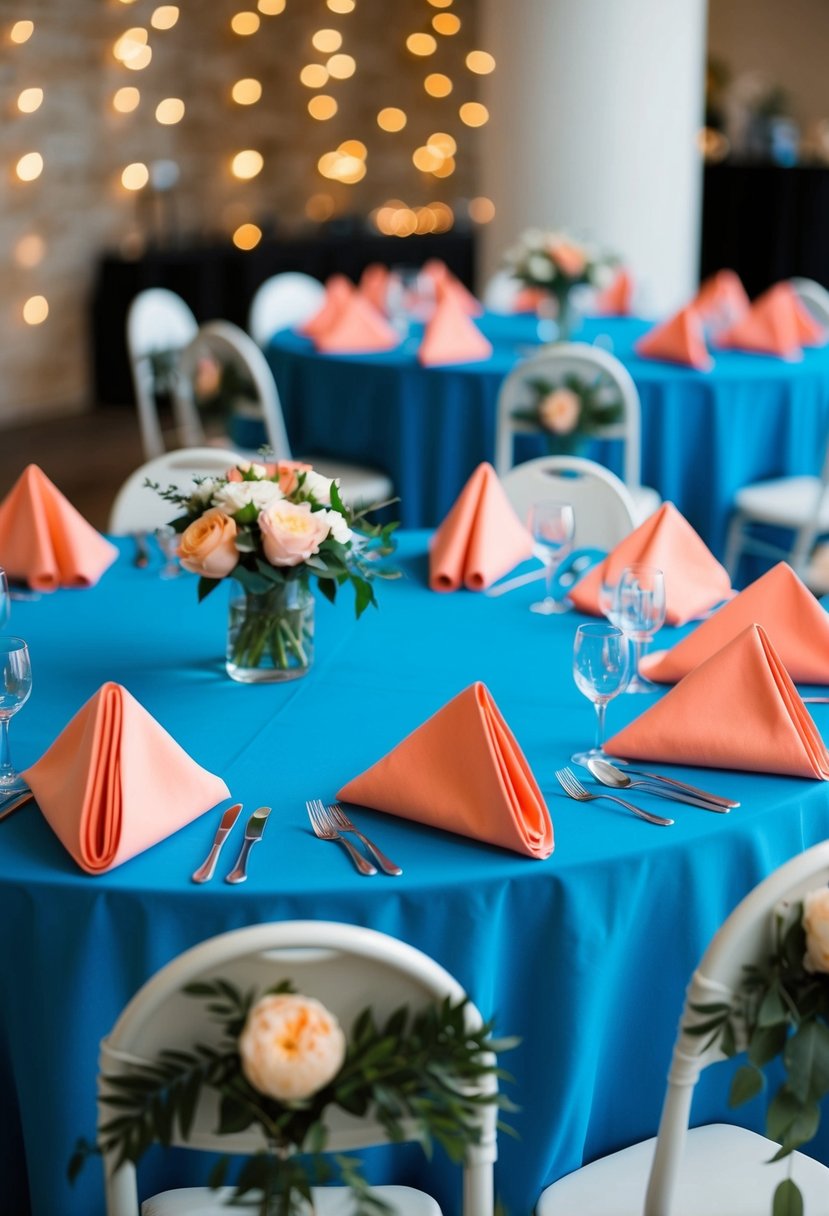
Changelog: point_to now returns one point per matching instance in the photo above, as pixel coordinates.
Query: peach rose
(287, 471)
(559, 411)
(208, 546)
(290, 1047)
(816, 924)
(291, 532)
(569, 259)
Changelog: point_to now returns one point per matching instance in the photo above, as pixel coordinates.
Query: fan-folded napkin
(774, 325)
(374, 285)
(680, 339)
(739, 709)
(694, 579)
(481, 538)
(616, 300)
(45, 541)
(358, 329)
(490, 794)
(338, 291)
(114, 782)
(445, 283)
(722, 299)
(451, 336)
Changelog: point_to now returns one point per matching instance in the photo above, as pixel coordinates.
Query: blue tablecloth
(704, 434)
(584, 955)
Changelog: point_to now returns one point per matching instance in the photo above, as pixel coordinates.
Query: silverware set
(254, 829)
(607, 774)
(332, 823)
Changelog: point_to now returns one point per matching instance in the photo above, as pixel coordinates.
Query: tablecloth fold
(680, 339)
(772, 326)
(338, 291)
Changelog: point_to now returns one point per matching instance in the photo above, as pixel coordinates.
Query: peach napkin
(114, 782)
(481, 538)
(527, 299)
(359, 329)
(694, 579)
(374, 285)
(809, 330)
(785, 607)
(738, 709)
(617, 298)
(680, 339)
(491, 796)
(338, 291)
(770, 327)
(722, 299)
(446, 283)
(45, 541)
(451, 336)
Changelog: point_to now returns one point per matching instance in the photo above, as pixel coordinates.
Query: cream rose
(816, 924)
(292, 532)
(559, 411)
(236, 495)
(290, 1047)
(208, 546)
(569, 259)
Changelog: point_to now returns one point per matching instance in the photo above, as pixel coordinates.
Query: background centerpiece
(552, 264)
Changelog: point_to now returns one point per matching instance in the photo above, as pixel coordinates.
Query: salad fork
(324, 829)
(344, 824)
(574, 788)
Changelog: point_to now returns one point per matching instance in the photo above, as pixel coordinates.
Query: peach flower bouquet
(551, 264)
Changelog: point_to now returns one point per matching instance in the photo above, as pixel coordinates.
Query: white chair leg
(478, 1196)
(734, 543)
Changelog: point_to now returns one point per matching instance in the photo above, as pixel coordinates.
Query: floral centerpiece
(553, 263)
(571, 411)
(281, 1063)
(271, 528)
(781, 1012)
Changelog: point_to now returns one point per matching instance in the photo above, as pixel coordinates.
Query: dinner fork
(324, 829)
(572, 786)
(343, 823)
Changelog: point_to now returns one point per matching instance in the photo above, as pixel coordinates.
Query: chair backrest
(159, 325)
(603, 508)
(139, 509)
(745, 938)
(346, 967)
(814, 296)
(227, 342)
(283, 300)
(554, 364)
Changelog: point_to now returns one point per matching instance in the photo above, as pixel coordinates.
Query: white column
(595, 106)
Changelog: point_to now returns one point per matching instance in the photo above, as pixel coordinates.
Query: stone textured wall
(77, 206)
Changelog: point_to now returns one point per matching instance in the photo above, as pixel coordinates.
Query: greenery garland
(572, 409)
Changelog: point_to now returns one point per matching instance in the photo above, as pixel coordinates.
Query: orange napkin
(359, 329)
(770, 327)
(809, 330)
(451, 336)
(694, 579)
(114, 782)
(338, 291)
(528, 299)
(785, 607)
(722, 299)
(446, 283)
(480, 539)
(374, 285)
(738, 709)
(680, 339)
(491, 796)
(617, 298)
(45, 541)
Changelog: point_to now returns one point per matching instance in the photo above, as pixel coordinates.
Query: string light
(169, 111)
(271, 8)
(327, 41)
(247, 236)
(340, 6)
(446, 23)
(247, 164)
(322, 107)
(314, 76)
(29, 250)
(21, 31)
(421, 44)
(442, 143)
(481, 210)
(437, 85)
(126, 100)
(35, 310)
(164, 17)
(319, 207)
(246, 92)
(341, 66)
(346, 165)
(391, 119)
(29, 167)
(446, 167)
(131, 45)
(473, 114)
(245, 23)
(135, 176)
(480, 62)
(440, 3)
(29, 100)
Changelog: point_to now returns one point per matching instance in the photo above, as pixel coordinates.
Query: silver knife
(680, 785)
(205, 871)
(254, 828)
(674, 795)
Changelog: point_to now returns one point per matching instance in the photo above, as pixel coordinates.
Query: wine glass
(639, 610)
(601, 670)
(5, 598)
(607, 597)
(15, 687)
(168, 542)
(552, 525)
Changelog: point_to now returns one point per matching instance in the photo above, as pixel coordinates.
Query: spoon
(607, 774)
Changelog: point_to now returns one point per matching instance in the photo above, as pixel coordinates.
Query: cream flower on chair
(291, 1046)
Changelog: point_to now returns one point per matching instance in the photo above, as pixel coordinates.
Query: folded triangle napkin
(492, 796)
(451, 336)
(338, 291)
(374, 285)
(694, 579)
(114, 782)
(481, 538)
(784, 606)
(616, 300)
(358, 329)
(45, 541)
(809, 330)
(722, 299)
(738, 709)
(445, 283)
(770, 327)
(680, 339)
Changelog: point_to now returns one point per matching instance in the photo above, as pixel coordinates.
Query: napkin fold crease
(772, 326)
(480, 539)
(451, 336)
(359, 328)
(680, 339)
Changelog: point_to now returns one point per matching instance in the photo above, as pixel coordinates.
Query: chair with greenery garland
(159, 326)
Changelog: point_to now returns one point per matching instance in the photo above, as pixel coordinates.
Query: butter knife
(729, 803)
(205, 871)
(254, 828)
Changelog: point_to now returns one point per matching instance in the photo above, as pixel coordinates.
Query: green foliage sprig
(599, 404)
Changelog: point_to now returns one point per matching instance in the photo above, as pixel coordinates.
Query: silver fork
(344, 824)
(571, 785)
(324, 829)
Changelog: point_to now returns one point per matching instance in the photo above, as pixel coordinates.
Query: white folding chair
(585, 363)
(602, 507)
(281, 301)
(159, 326)
(501, 292)
(814, 296)
(139, 509)
(345, 967)
(719, 1169)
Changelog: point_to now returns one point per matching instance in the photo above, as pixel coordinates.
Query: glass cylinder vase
(270, 634)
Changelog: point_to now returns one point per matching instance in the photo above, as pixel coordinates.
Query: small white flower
(540, 267)
(203, 492)
(250, 466)
(318, 487)
(339, 529)
(236, 495)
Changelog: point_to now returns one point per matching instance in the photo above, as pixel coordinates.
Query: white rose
(340, 530)
(203, 492)
(540, 268)
(250, 466)
(236, 495)
(318, 487)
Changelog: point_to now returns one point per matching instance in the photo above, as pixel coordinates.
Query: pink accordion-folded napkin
(694, 579)
(616, 300)
(45, 541)
(722, 299)
(481, 538)
(680, 339)
(359, 329)
(114, 782)
(770, 327)
(738, 709)
(809, 330)
(374, 285)
(785, 607)
(451, 336)
(493, 796)
(338, 291)
(445, 283)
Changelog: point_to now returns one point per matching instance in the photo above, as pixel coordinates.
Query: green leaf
(218, 1173)
(745, 1085)
(787, 1200)
(791, 1122)
(234, 1116)
(806, 1056)
(772, 1009)
(766, 1043)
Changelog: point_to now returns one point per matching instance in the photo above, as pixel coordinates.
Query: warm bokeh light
(247, 164)
(322, 107)
(247, 236)
(444, 217)
(21, 31)
(164, 17)
(481, 210)
(29, 100)
(29, 166)
(29, 250)
(35, 310)
(446, 167)
(271, 8)
(340, 6)
(391, 119)
(473, 114)
(440, 3)
(314, 75)
(426, 160)
(437, 85)
(140, 60)
(245, 23)
(354, 147)
(327, 41)
(131, 44)
(404, 222)
(480, 62)
(442, 143)
(135, 176)
(446, 23)
(126, 100)
(394, 218)
(319, 208)
(246, 92)
(342, 167)
(341, 66)
(169, 111)
(421, 44)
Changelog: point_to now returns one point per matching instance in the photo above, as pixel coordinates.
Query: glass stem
(601, 706)
(549, 571)
(6, 766)
(638, 650)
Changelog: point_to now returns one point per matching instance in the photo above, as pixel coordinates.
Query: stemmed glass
(639, 610)
(5, 598)
(15, 686)
(552, 525)
(601, 670)
(168, 542)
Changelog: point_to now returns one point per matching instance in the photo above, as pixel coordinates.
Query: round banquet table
(584, 955)
(704, 434)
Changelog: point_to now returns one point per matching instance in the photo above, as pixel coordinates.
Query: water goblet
(5, 598)
(552, 525)
(168, 541)
(601, 670)
(15, 687)
(639, 610)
